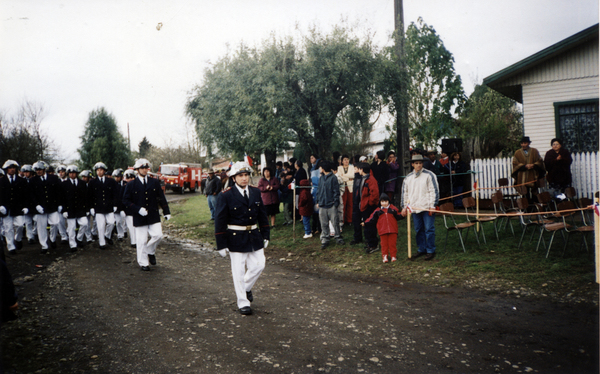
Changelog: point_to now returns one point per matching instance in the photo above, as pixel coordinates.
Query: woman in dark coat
(268, 186)
(457, 166)
(558, 166)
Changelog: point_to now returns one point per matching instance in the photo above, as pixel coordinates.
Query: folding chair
(508, 214)
(446, 210)
(587, 226)
(470, 207)
(503, 182)
(558, 226)
(544, 201)
(529, 220)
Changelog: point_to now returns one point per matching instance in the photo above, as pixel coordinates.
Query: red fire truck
(178, 177)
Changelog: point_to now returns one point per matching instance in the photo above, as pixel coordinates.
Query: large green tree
(144, 147)
(103, 142)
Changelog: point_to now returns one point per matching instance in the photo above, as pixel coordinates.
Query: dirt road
(96, 311)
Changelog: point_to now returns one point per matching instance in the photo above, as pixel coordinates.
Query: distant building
(558, 87)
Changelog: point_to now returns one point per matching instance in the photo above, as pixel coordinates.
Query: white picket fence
(584, 170)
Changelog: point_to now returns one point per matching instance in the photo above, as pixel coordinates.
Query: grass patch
(497, 266)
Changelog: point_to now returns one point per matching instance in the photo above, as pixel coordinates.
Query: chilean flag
(247, 159)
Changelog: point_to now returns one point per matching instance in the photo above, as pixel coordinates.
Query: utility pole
(128, 138)
(403, 151)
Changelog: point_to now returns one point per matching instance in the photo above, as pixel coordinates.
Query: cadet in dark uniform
(103, 202)
(144, 195)
(62, 223)
(120, 223)
(13, 195)
(75, 207)
(28, 221)
(129, 176)
(242, 228)
(46, 195)
(86, 177)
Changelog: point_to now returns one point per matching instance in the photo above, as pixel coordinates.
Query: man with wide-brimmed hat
(528, 166)
(420, 191)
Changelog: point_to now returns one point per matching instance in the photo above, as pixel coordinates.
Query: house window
(577, 125)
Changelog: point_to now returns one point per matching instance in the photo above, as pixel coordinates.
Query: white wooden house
(558, 87)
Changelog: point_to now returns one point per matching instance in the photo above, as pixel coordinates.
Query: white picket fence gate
(584, 170)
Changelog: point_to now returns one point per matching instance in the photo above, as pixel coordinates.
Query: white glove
(25, 210)
(168, 217)
(66, 215)
(92, 212)
(223, 252)
(59, 208)
(114, 208)
(2, 210)
(265, 243)
(123, 215)
(39, 209)
(87, 214)
(143, 212)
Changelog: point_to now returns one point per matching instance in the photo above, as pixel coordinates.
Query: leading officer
(242, 228)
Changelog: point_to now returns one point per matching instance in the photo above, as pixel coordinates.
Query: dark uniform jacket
(75, 198)
(121, 186)
(14, 196)
(103, 196)
(46, 193)
(233, 209)
(136, 197)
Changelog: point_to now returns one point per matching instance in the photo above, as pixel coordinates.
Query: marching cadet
(75, 207)
(45, 192)
(28, 219)
(62, 224)
(242, 228)
(144, 195)
(120, 215)
(86, 177)
(103, 200)
(129, 212)
(13, 194)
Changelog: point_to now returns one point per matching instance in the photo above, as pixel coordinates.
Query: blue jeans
(306, 223)
(212, 205)
(425, 228)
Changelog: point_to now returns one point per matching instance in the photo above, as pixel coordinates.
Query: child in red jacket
(305, 207)
(386, 218)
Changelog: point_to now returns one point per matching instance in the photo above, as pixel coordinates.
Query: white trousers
(62, 227)
(144, 246)
(72, 225)
(105, 223)
(30, 226)
(13, 230)
(129, 220)
(44, 220)
(243, 280)
(120, 225)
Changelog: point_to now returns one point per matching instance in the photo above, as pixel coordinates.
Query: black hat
(384, 197)
(525, 139)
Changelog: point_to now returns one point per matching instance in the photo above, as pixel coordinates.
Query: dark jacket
(103, 196)
(14, 196)
(121, 188)
(386, 220)
(234, 209)
(299, 176)
(46, 193)
(75, 198)
(559, 171)
(269, 197)
(305, 200)
(381, 172)
(328, 192)
(213, 186)
(152, 197)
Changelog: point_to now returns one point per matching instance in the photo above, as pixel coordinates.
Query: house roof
(515, 92)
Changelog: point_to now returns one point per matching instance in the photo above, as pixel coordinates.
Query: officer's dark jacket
(103, 196)
(130, 211)
(75, 198)
(233, 209)
(121, 186)
(14, 196)
(151, 197)
(46, 193)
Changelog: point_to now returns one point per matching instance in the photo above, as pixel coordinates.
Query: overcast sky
(74, 56)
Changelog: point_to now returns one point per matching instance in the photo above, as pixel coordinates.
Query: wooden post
(294, 212)
(408, 215)
(477, 200)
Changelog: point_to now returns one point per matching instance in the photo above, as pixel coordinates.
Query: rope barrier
(562, 212)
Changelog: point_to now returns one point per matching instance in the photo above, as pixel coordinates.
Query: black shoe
(429, 256)
(52, 244)
(371, 250)
(246, 310)
(419, 254)
(12, 252)
(152, 259)
(145, 268)
(324, 245)
(64, 241)
(354, 242)
(249, 296)
(44, 251)
(19, 244)
(74, 249)
(125, 235)
(341, 242)
(119, 239)
(110, 241)
(102, 247)
(31, 241)
(133, 246)
(94, 237)
(80, 244)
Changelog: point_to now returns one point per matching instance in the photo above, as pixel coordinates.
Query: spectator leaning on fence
(420, 191)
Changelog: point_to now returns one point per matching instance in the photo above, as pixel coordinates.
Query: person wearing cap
(120, 221)
(75, 207)
(386, 219)
(129, 176)
(212, 189)
(527, 166)
(242, 228)
(46, 196)
(13, 205)
(29, 223)
(62, 223)
(103, 195)
(91, 230)
(144, 196)
(420, 191)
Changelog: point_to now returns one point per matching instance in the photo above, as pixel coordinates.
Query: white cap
(140, 162)
(362, 158)
(239, 167)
